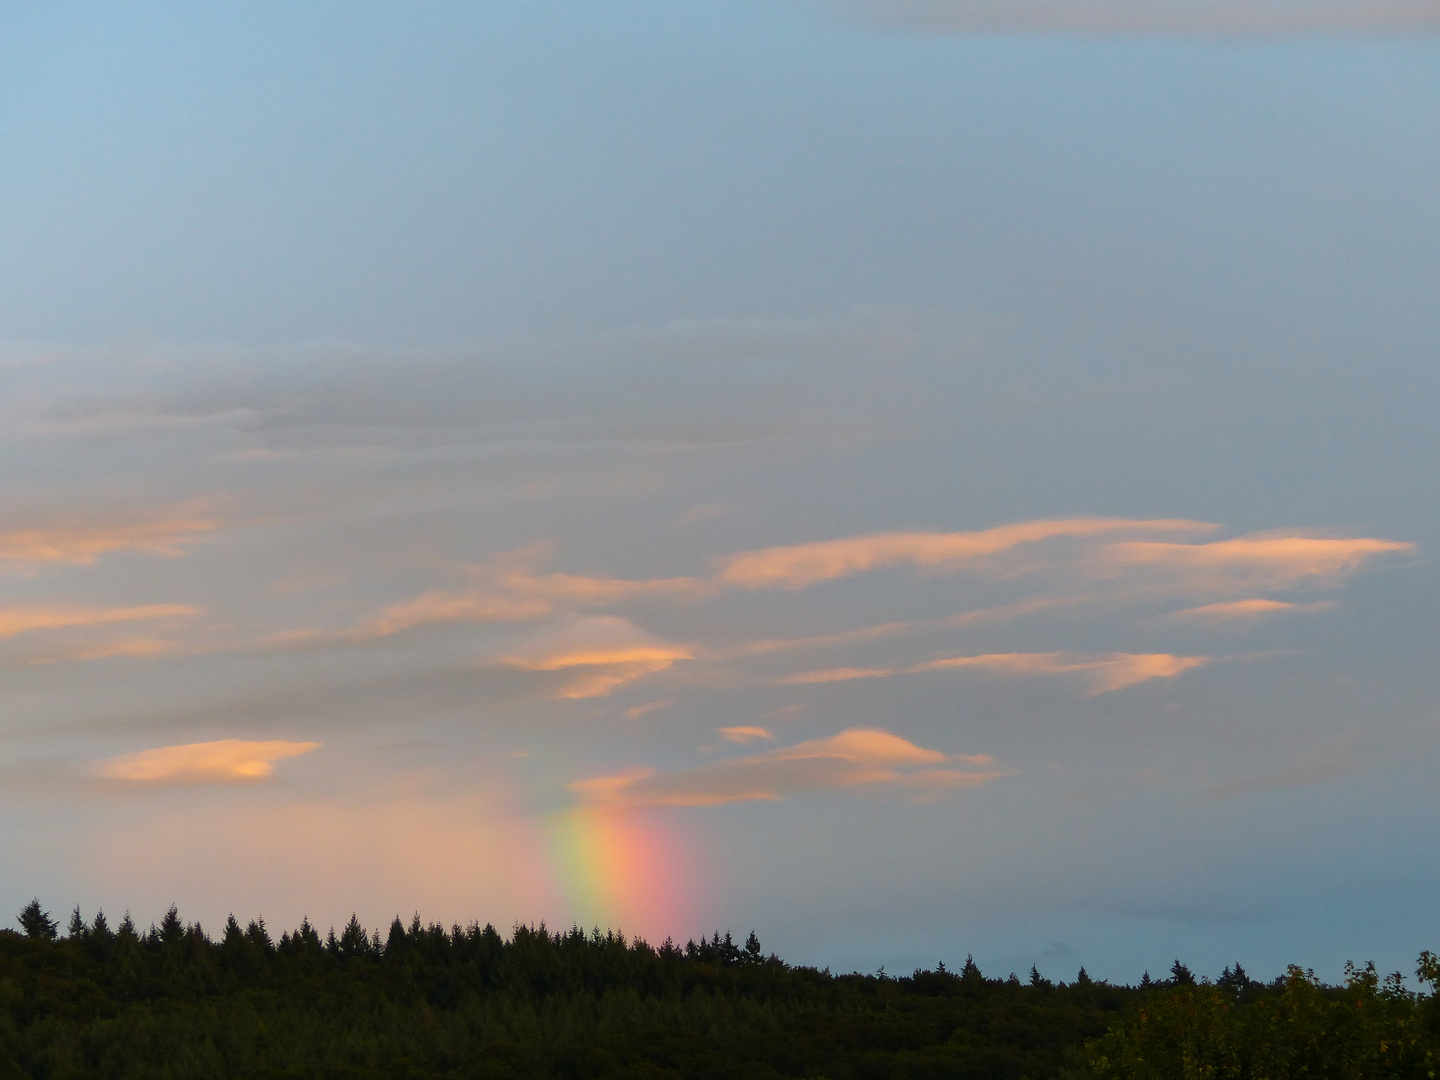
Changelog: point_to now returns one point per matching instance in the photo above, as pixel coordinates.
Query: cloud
(1320, 763)
(706, 511)
(438, 606)
(744, 734)
(508, 590)
(799, 565)
(83, 544)
(859, 757)
(635, 712)
(1206, 18)
(1273, 560)
(1246, 610)
(615, 651)
(227, 760)
(23, 620)
(1105, 672)
(133, 648)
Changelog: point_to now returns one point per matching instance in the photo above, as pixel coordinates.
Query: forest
(421, 1001)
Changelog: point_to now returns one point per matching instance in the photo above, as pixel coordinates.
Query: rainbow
(622, 869)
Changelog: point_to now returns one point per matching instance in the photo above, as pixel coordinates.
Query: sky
(912, 478)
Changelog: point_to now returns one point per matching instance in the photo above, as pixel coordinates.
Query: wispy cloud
(612, 651)
(224, 761)
(1268, 560)
(1104, 672)
(1325, 761)
(439, 606)
(23, 620)
(796, 566)
(507, 589)
(84, 544)
(635, 712)
(745, 734)
(857, 758)
(1208, 18)
(1246, 610)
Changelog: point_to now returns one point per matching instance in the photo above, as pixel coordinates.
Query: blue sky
(915, 479)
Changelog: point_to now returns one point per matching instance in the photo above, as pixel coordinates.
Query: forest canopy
(420, 1000)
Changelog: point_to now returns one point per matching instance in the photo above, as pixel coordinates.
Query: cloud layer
(223, 761)
(609, 651)
(83, 544)
(856, 758)
(798, 565)
(1104, 673)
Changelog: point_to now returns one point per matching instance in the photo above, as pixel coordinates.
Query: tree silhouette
(36, 922)
(1180, 975)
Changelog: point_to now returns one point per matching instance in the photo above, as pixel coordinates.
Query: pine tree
(970, 973)
(36, 922)
(172, 930)
(259, 936)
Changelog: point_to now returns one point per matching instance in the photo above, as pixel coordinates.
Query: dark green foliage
(467, 1002)
(36, 922)
(1237, 1029)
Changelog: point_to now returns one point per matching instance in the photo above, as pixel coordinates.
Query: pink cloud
(799, 565)
(23, 620)
(744, 734)
(224, 761)
(1273, 560)
(83, 544)
(613, 651)
(1246, 610)
(1104, 672)
(855, 759)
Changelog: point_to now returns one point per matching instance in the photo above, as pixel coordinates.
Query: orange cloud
(83, 544)
(744, 734)
(443, 607)
(859, 757)
(22, 620)
(227, 760)
(508, 590)
(1105, 672)
(635, 712)
(1246, 609)
(799, 565)
(1261, 560)
(619, 650)
(134, 648)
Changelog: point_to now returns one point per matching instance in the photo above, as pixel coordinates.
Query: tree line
(423, 1001)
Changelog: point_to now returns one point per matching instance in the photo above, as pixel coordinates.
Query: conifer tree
(258, 936)
(970, 973)
(172, 930)
(36, 922)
